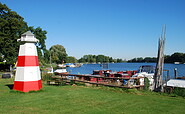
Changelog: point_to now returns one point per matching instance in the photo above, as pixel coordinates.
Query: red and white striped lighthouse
(27, 77)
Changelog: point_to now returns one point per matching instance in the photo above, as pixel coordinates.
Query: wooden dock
(83, 78)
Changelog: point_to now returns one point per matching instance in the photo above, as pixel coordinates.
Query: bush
(147, 84)
(46, 76)
(72, 82)
(179, 91)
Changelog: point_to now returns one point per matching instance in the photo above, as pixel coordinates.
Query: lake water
(88, 68)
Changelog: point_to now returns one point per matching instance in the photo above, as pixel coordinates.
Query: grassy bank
(81, 99)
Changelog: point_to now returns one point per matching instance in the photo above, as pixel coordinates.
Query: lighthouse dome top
(28, 37)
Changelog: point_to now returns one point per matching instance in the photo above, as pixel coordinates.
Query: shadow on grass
(16, 91)
(10, 86)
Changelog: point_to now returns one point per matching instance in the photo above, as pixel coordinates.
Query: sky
(117, 28)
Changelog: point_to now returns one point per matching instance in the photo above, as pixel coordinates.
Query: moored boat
(113, 75)
(145, 71)
(70, 65)
(61, 71)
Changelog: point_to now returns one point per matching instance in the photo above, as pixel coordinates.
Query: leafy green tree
(177, 57)
(106, 59)
(150, 59)
(91, 58)
(140, 59)
(1, 57)
(167, 59)
(100, 58)
(71, 59)
(133, 60)
(58, 54)
(115, 60)
(12, 26)
(183, 58)
(47, 56)
(41, 36)
(88, 58)
(119, 60)
(146, 59)
(111, 59)
(81, 60)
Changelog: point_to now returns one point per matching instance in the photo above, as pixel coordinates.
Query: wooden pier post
(160, 62)
(175, 73)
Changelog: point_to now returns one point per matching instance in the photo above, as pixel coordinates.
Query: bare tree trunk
(160, 62)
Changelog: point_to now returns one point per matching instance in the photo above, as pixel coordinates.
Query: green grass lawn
(86, 100)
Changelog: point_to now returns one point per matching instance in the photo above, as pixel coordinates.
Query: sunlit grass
(81, 99)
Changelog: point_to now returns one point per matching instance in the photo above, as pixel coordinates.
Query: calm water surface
(88, 68)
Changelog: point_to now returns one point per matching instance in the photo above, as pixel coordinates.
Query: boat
(78, 64)
(61, 71)
(49, 70)
(62, 65)
(113, 75)
(129, 78)
(145, 71)
(70, 65)
(176, 63)
(110, 73)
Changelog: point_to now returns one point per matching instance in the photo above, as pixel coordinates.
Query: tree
(167, 59)
(71, 59)
(41, 36)
(47, 56)
(140, 59)
(177, 57)
(1, 57)
(150, 59)
(58, 54)
(81, 60)
(146, 59)
(119, 60)
(12, 26)
(98, 58)
(111, 59)
(88, 58)
(91, 59)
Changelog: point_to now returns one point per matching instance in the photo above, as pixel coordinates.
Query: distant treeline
(98, 59)
(140, 59)
(176, 57)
